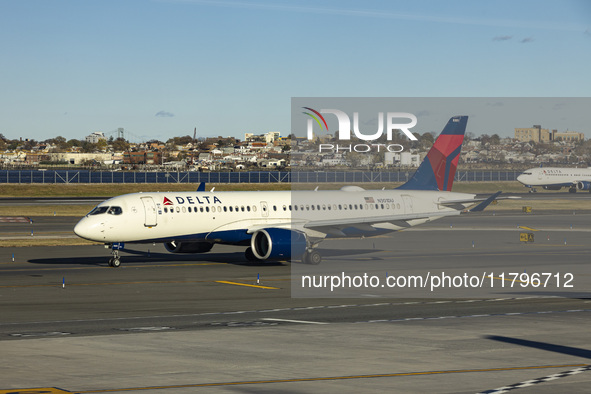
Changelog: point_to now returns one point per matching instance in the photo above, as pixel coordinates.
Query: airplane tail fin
(438, 169)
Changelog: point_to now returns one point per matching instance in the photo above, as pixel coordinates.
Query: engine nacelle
(188, 247)
(278, 244)
(583, 185)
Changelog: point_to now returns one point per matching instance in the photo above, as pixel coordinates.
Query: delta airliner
(552, 178)
(283, 225)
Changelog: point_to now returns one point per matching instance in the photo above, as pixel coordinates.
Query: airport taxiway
(165, 323)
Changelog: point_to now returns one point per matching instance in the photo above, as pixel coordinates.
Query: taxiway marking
(247, 285)
(293, 321)
(329, 378)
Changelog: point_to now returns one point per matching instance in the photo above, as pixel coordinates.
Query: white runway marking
(294, 321)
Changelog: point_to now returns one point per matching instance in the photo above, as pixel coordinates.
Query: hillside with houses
(271, 151)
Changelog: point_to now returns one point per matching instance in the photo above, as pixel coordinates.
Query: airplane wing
(354, 222)
(335, 226)
(484, 202)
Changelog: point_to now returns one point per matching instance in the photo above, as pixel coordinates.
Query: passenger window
(189, 209)
(184, 210)
(248, 208)
(230, 209)
(206, 209)
(165, 210)
(274, 208)
(225, 209)
(242, 208)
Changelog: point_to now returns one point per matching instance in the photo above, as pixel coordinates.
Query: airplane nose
(79, 229)
(83, 230)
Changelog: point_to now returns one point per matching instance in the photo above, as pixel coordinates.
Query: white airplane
(552, 178)
(283, 225)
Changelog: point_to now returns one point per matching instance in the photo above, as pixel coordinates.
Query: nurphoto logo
(344, 130)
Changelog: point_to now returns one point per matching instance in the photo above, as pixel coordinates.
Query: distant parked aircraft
(553, 178)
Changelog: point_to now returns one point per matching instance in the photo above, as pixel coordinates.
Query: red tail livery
(438, 170)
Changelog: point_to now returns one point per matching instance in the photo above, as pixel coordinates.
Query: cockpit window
(98, 210)
(109, 210)
(115, 211)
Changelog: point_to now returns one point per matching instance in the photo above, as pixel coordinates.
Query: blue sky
(161, 68)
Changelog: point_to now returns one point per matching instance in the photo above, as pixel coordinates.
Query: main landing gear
(311, 257)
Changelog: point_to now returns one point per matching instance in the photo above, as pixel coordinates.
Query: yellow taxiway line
(311, 379)
(247, 285)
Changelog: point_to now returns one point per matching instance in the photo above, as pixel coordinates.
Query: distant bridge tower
(120, 133)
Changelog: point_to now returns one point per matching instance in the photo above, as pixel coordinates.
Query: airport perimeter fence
(120, 177)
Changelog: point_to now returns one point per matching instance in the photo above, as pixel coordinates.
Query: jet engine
(584, 185)
(278, 244)
(188, 247)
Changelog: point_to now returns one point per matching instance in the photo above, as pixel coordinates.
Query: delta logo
(192, 200)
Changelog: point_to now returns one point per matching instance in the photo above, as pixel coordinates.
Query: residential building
(95, 137)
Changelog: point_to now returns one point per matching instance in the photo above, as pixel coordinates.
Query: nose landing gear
(115, 260)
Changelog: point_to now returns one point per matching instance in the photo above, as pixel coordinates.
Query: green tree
(74, 142)
(88, 147)
(120, 145)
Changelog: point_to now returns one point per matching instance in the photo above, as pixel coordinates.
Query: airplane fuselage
(554, 178)
(229, 217)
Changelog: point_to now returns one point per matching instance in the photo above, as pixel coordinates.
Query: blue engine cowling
(583, 185)
(278, 244)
